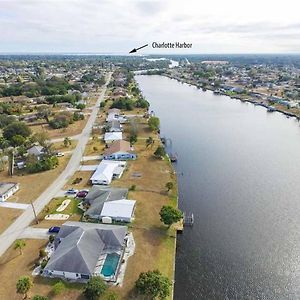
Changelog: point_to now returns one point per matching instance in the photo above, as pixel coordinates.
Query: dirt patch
(8, 216)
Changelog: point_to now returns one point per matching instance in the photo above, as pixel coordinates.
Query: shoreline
(237, 97)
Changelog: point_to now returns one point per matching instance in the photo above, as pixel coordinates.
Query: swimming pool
(110, 265)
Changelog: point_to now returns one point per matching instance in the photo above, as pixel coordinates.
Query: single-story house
(36, 150)
(114, 111)
(83, 250)
(107, 170)
(110, 137)
(113, 117)
(119, 150)
(7, 189)
(98, 195)
(119, 210)
(114, 126)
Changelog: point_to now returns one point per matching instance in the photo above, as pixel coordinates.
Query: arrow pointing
(136, 49)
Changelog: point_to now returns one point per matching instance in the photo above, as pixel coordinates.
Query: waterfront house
(7, 189)
(110, 137)
(109, 203)
(98, 195)
(119, 150)
(107, 170)
(83, 250)
(114, 126)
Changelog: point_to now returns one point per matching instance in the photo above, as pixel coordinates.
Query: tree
(133, 139)
(153, 284)
(111, 295)
(80, 106)
(154, 123)
(67, 142)
(38, 297)
(170, 215)
(169, 185)
(160, 152)
(42, 253)
(42, 138)
(24, 284)
(149, 141)
(16, 128)
(51, 238)
(44, 112)
(17, 140)
(95, 288)
(20, 244)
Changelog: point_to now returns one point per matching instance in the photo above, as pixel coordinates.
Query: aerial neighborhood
(82, 167)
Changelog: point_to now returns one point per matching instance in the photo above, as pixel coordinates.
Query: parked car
(59, 154)
(81, 194)
(54, 229)
(72, 191)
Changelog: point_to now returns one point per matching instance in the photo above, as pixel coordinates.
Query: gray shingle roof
(98, 195)
(82, 244)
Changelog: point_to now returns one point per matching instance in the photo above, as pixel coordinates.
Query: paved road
(16, 228)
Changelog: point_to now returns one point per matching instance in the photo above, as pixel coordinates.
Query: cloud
(117, 26)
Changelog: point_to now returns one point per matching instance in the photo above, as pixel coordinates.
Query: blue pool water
(110, 264)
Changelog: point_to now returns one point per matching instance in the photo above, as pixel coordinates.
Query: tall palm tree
(149, 141)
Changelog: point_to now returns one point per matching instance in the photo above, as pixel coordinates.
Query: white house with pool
(83, 250)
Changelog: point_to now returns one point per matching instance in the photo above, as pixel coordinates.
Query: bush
(133, 187)
(38, 297)
(58, 288)
(51, 238)
(42, 253)
(61, 120)
(123, 103)
(160, 152)
(44, 263)
(154, 123)
(153, 284)
(170, 215)
(47, 163)
(95, 288)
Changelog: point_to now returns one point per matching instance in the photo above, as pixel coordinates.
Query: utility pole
(34, 212)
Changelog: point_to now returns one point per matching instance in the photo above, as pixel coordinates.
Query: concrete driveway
(35, 233)
(14, 205)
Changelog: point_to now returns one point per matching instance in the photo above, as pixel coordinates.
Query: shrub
(42, 253)
(95, 288)
(58, 288)
(154, 123)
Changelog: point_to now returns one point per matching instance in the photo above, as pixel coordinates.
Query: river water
(238, 172)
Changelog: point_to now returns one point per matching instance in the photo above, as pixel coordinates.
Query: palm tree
(149, 141)
(67, 142)
(20, 244)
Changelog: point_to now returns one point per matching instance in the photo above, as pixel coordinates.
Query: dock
(187, 220)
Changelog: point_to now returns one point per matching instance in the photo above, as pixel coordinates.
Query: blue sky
(116, 26)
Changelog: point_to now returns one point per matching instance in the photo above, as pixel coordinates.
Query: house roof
(6, 186)
(114, 124)
(114, 111)
(118, 146)
(106, 170)
(97, 196)
(113, 136)
(35, 150)
(119, 208)
(79, 245)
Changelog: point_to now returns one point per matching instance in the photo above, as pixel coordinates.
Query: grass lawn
(95, 146)
(73, 129)
(8, 216)
(13, 265)
(85, 182)
(29, 191)
(72, 210)
(59, 146)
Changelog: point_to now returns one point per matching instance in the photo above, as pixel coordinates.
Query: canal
(238, 172)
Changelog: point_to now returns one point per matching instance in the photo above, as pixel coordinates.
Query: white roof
(119, 208)
(113, 136)
(106, 170)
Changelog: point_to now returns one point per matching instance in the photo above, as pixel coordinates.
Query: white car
(59, 154)
(71, 191)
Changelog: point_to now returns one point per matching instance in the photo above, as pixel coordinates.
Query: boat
(270, 109)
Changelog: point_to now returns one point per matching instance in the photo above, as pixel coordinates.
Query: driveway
(17, 227)
(88, 168)
(14, 205)
(35, 233)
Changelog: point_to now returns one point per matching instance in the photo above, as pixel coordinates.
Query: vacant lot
(84, 183)
(32, 185)
(7, 216)
(73, 129)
